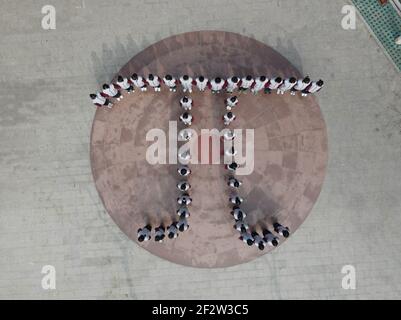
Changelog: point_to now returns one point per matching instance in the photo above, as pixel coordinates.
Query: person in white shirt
(124, 83)
(182, 224)
(232, 167)
(183, 186)
(183, 212)
(99, 100)
(154, 82)
(186, 103)
(259, 84)
(238, 213)
(287, 85)
(301, 85)
(170, 82)
(143, 234)
(240, 226)
(259, 242)
(229, 135)
(201, 83)
(186, 83)
(314, 87)
(281, 230)
(231, 152)
(185, 156)
(111, 91)
(236, 200)
(160, 233)
(184, 199)
(234, 183)
(138, 82)
(232, 84)
(273, 84)
(216, 85)
(228, 118)
(172, 230)
(184, 171)
(231, 102)
(185, 134)
(186, 118)
(246, 83)
(270, 238)
(247, 238)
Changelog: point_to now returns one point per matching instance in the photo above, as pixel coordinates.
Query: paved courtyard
(51, 214)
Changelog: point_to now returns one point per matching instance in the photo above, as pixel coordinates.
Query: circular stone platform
(290, 150)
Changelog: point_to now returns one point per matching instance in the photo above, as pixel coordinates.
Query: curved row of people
(305, 86)
(250, 237)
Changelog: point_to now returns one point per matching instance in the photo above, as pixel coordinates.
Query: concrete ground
(50, 212)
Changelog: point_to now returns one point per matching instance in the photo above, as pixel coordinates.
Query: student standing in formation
(231, 102)
(154, 82)
(270, 238)
(182, 224)
(170, 82)
(232, 84)
(259, 84)
(229, 135)
(228, 118)
(110, 91)
(314, 87)
(159, 233)
(287, 85)
(186, 103)
(246, 83)
(231, 152)
(184, 171)
(99, 100)
(216, 85)
(185, 155)
(185, 134)
(184, 199)
(201, 83)
(143, 234)
(273, 84)
(281, 230)
(186, 118)
(238, 213)
(246, 237)
(138, 82)
(183, 186)
(232, 167)
(172, 230)
(301, 85)
(259, 242)
(186, 83)
(183, 212)
(234, 183)
(236, 200)
(124, 83)
(240, 225)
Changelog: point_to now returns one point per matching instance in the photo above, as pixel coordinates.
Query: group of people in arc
(113, 91)
(248, 235)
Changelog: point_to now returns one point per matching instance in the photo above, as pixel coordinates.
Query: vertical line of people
(114, 91)
(184, 199)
